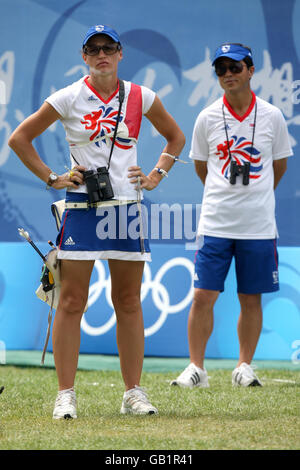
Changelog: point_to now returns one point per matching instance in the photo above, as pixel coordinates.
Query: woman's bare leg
(126, 279)
(75, 279)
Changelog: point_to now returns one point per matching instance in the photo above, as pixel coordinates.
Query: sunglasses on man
(108, 49)
(234, 68)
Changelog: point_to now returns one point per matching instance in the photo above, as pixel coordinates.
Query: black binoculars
(98, 185)
(236, 170)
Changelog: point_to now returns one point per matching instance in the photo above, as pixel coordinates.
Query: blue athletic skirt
(106, 232)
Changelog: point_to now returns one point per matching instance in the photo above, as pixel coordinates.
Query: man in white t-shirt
(240, 146)
(102, 133)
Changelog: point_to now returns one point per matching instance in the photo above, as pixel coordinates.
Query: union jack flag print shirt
(239, 211)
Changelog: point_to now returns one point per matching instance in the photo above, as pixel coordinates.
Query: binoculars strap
(83, 144)
(226, 132)
(121, 99)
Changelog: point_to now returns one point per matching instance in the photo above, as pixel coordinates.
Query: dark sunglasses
(221, 69)
(108, 49)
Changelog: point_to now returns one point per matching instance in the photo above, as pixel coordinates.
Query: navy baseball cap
(233, 51)
(101, 29)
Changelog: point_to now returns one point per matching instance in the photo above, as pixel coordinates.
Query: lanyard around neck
(226, 132)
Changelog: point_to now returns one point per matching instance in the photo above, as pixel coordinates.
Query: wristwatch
(52, 178)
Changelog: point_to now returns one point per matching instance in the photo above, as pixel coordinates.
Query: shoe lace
(66, 399)
(248, 370)
(187, 372)
(138, 394)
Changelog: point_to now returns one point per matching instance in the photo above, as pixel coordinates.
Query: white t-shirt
(89, 123)
(239, 211)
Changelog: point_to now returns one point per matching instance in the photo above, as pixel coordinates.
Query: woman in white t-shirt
(88, 110)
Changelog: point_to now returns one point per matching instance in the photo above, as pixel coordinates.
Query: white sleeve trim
(148, 97)
(193, 156)
(283, 155)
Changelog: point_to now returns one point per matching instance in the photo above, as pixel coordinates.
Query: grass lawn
(221, 417)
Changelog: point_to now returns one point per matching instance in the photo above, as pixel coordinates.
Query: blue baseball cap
(233, 51)
(101, 29)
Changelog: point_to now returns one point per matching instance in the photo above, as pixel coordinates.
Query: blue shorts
(256, 264)
(111, 232)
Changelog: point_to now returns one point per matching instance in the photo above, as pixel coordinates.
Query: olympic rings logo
(160, 295)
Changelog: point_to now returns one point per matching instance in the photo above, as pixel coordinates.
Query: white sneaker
(65, 405)
(191, 377)
(244, 376)
(135, 401)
